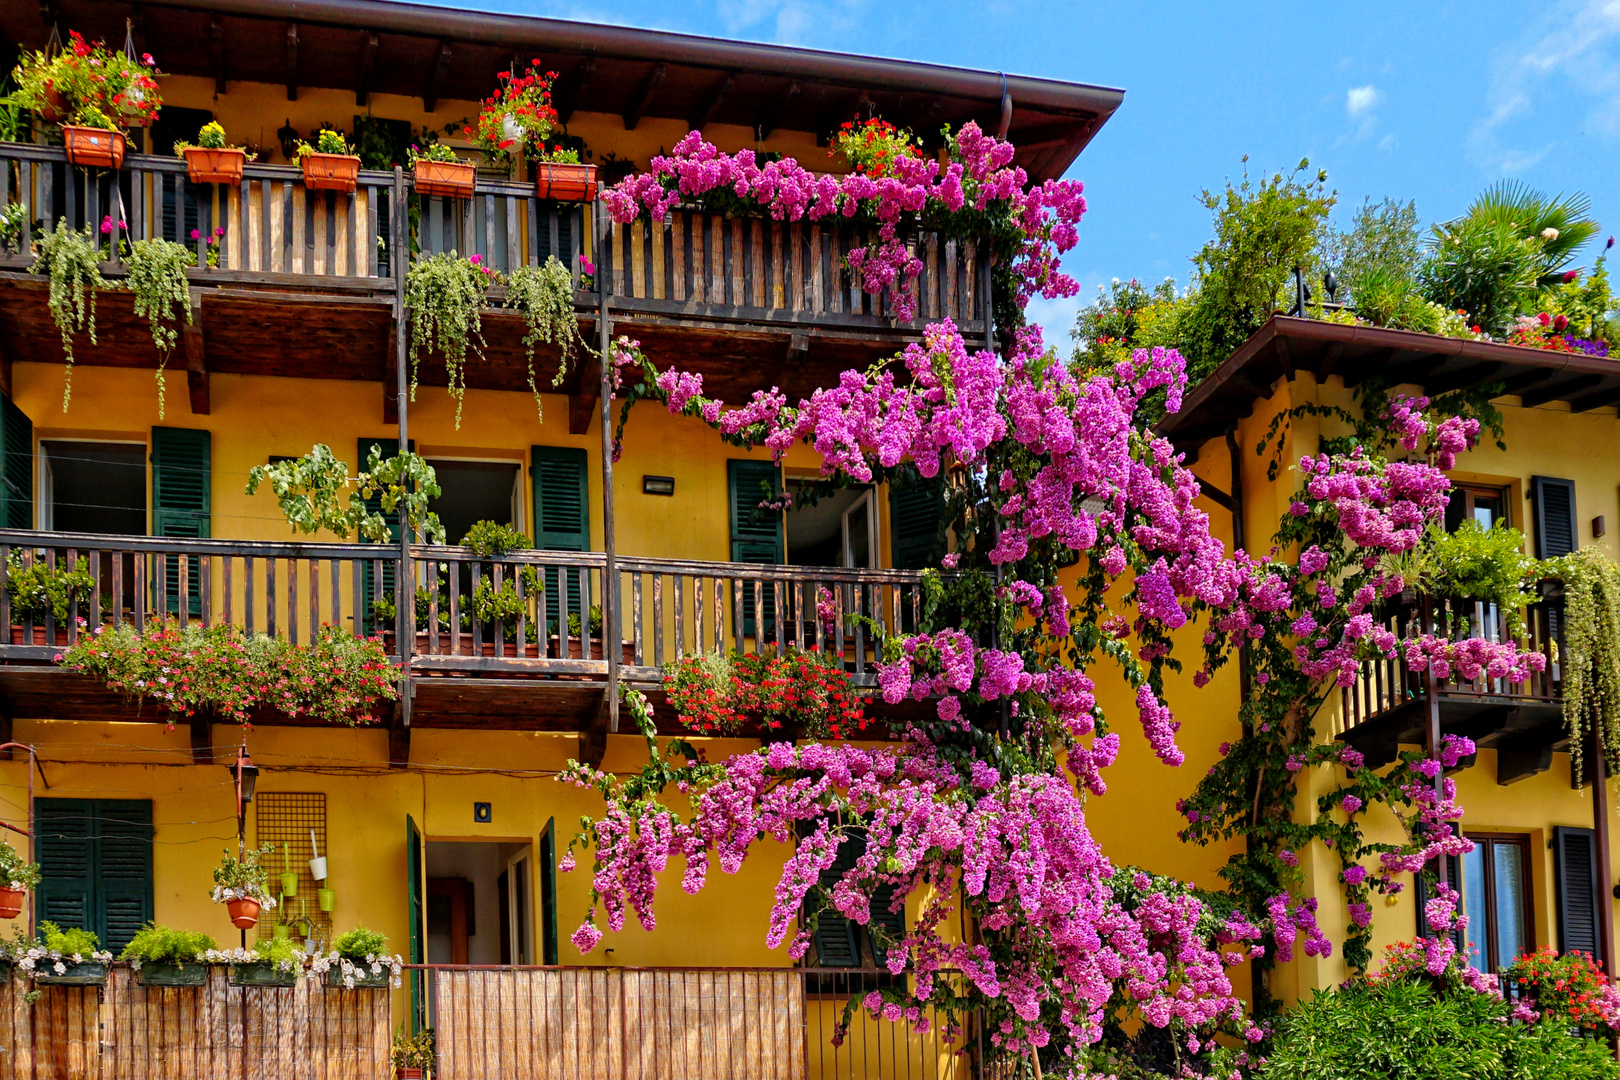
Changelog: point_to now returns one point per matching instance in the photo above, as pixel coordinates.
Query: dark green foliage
(1405, 1030)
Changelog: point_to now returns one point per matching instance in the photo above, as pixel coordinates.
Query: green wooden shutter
(415, 922)
(837, 939)
(548, 892)
(1554, 502)
(181, 482)
(1575, 882)
(95, 859)
(892, 922)
(16, 467)
(916, 523)
(562, 522)
(368, 576)
(756, 535)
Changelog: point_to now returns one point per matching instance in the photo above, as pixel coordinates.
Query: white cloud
(1361, 101)
(789, 22)
(1575, 47)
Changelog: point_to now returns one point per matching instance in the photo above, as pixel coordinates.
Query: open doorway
(479, 904)
(475, 491)
(839, 529)
(92, 487)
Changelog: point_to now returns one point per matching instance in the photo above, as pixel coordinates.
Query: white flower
(61, 968)
(1549, 234)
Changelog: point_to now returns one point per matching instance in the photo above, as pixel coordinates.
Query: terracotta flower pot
(244, 912)
(56, 107)
(94, 147)
(222, 166)
(409, 1072)
(452, 179)
(331, 172)
(11, 902)
(564, 182)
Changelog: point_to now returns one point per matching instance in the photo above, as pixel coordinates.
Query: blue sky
(1417, 100)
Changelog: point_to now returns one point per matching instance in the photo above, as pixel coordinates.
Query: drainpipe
(610, 567)
(404, 593)
(1006, 108)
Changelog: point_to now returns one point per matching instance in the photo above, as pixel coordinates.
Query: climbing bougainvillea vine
(978, 808)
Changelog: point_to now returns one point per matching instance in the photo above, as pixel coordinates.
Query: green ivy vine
(157, 277)
(72, 261)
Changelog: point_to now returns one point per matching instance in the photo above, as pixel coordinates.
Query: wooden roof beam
(368, 62)
(565, 98)
(1595, 401)
(582, 402)
(712, 102)
(644, 96)
(216, 38)
(436, 76)
(1531, 399)
(1472, 375)
(197, 384)
(292, 61)
(770, 117)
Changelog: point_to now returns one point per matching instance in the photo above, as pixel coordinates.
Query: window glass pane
(1510, 913)
(1474, 905)
(1488, 509)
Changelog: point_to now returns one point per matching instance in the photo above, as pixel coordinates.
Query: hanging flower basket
(171, 973)
(94, 147)
(56, 107)
(11, 902)
(207, 166)
(244, 912)
(83, 973)
(452, 179)
(565, 182)
(331, 172)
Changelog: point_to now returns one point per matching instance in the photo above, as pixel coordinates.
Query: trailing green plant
(545, 297)
(315, 492)
(444, 294)
(1488, 565)
(222, 671)
(72, 261)
(157, 277)
(12, 218)
(245, 877)
(16, 872)
(155, 943)
(360, 945)
(1591, 654)
(1411, 1029)
(46, 586)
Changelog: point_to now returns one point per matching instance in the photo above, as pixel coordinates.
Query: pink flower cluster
(1471, 659)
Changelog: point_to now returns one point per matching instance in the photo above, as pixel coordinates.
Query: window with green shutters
(756, 534)
(562, 522)
(841, 942)
(916, 522)
(95, 860)
(369, 585)
(16, 467)
(181, 504)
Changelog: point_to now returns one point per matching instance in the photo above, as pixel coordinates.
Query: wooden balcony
(536, 1023)
(1387, 706)
(747, 302)
(544, 670)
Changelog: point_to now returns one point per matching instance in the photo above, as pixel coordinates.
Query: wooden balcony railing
(1385, 685)
(551, 623)
(693, 266)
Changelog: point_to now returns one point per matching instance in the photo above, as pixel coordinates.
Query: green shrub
(488, 538)
(155, 944)
(279, 952)
(1406, 1030)
(73, 942)
(360, 943)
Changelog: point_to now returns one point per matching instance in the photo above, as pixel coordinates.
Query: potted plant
(272, 962)
(17, 876)
(211, 160)
(516, 116)
(437, 171)
(65, 957)
(242, 885)
(359, 957)
(558, 174)
(412, 1055)
(164, 957)
(329, 165)
(93, 140)
(93, 92)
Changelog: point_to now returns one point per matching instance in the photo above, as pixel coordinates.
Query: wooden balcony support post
(1605, 866)
(610, 571)
(197, 357)
(404, 592)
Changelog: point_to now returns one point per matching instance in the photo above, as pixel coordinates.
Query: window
(475, 491)
(1487, 506)
(92, 487)
(95, 862)
(1496, 899)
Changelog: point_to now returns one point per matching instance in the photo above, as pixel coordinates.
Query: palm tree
(1561, 224)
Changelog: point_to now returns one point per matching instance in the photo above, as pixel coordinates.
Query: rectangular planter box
(87, 973)
(565, 182)
(266, 975)
(362, 977)
(331, 172)
(215, 166)
(171, 973)
(94, 147)
(454, 179)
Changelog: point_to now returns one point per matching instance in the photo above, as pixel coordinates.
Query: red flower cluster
(518, 116)
(1571, 989)
(873, 146)
(798, 690)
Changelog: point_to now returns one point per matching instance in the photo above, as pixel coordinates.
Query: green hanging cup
(325, 897)
(282, 931)
(289, 884)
